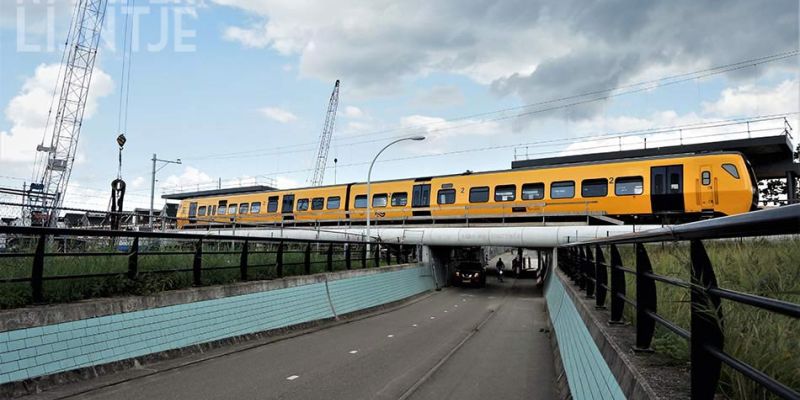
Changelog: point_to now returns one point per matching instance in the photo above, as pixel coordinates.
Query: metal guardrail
(585, 264)
(20, 240)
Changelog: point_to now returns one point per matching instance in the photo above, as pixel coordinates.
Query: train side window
(479, 194)
(594, 188)
(317, 203)
(361, 201)
(255, 207)
(379, 200)
(244, 208)
(705, 178)
(201, 212)
(562, 190)
(399, 199)
(272, 204)
(505, 193)
(446, 196)
(334, 203)
(232, 209)
(222, 209)
(533, 191)
(731, 169)
(629, 186)
(302, 205)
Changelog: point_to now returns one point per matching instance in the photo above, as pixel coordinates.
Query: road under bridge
(458, 343)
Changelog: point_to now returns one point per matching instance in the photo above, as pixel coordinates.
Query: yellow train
(673, 188)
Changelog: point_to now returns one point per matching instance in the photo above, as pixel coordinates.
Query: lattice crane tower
(325, 138)
(51, 175)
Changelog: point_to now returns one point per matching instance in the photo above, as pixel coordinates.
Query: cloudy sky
(238, 88)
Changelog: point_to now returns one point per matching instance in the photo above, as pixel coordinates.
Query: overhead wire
(554, 142)
(642, 86)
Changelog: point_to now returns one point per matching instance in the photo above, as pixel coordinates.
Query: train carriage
(656, 188)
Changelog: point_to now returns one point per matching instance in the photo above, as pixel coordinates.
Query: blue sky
(247, 95)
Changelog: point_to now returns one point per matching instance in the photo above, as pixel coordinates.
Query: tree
(773, 191)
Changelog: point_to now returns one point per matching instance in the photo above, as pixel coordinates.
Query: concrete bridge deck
(428, 349)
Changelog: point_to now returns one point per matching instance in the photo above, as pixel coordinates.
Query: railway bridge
(314, 314)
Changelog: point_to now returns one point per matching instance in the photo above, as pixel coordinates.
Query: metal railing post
(243, 262)
(307, 260)
(197, 267)
(581, 264)
(133, 260)
(279, 260)
(706, 325)
(589, 268)
(645, 300)
(600, 278)
(37, 271)
(330, 257)
(377, 255)
(389, 255)
(348, 262)
(363, 256)
(618, 288)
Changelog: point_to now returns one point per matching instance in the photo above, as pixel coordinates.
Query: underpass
(456, 343)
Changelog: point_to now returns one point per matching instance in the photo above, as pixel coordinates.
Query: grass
(765, 340)
(261, 265)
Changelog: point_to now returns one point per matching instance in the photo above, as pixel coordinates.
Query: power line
(609, 135)
(641, 86)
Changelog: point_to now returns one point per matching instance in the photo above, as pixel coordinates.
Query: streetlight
(369, 178)
(153, 183)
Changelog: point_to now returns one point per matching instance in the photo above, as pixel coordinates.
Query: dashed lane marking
(390, 336)
(293, 377)
(353, 351)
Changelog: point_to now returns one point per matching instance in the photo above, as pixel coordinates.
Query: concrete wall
(588, 375)
(51, 339)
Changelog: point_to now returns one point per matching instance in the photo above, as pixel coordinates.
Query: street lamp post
(153, 184)
(369, 178)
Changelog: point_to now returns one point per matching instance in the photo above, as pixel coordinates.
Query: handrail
(774, 221)
(584, 263)
(333, 254)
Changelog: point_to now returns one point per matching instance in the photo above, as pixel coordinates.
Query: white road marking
(445, 310)
(353, 351)
(455, 305)
(390, 336)
(414, 325)
(293, 377)
(433, 317)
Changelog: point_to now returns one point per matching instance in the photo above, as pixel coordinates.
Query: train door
(288, 207)
(192, 212)
(666, 189)
(421, 198)
(705, 190)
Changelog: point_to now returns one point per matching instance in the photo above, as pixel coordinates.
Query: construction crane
(325, 138)
(54, 162)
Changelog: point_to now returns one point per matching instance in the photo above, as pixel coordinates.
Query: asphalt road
(429, 349)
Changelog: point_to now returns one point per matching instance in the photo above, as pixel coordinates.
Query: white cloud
(190, 179)
(440, 96)
(353, 112)
(732, 102)
(283, 182)
(278, 114)
(537, 50)
(27, 112)
(753, 100)
(439, 132)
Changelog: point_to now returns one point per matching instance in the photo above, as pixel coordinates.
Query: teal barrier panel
(32, 352)
(588, 375)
